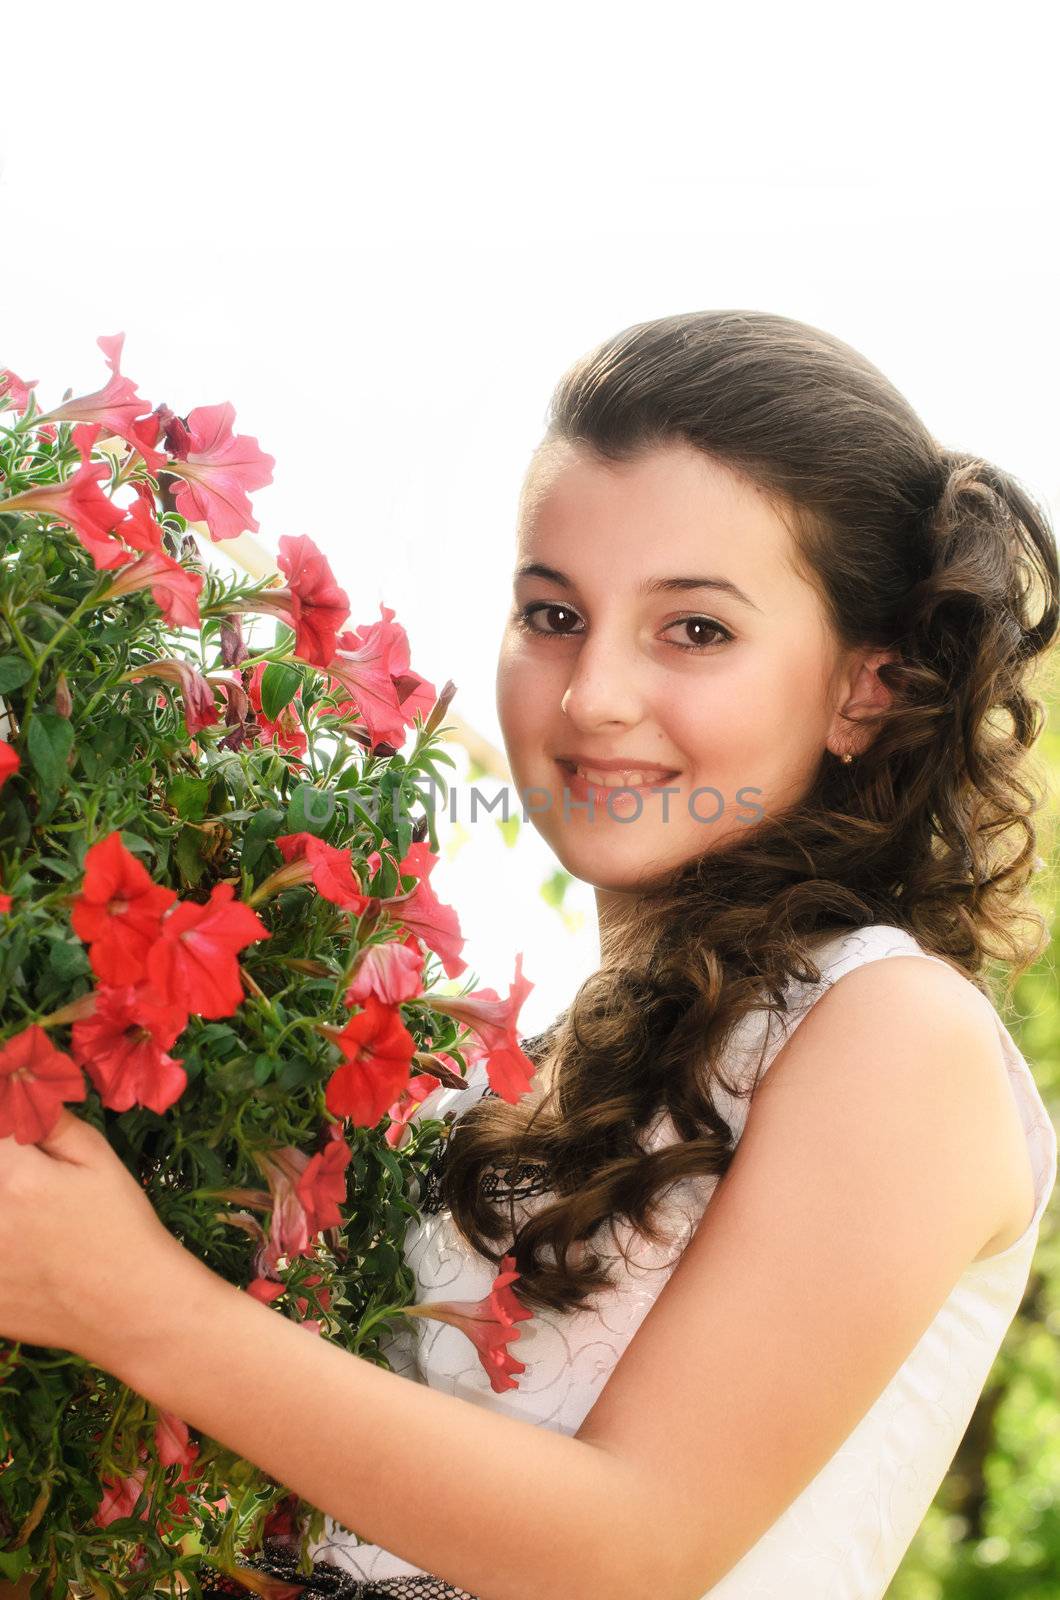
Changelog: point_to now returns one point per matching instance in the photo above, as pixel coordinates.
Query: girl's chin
(614, 862)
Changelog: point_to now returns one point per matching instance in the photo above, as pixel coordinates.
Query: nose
(603, 685)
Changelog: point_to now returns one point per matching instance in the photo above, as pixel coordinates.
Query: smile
(588, 778)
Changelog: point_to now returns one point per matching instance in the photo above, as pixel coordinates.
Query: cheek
(519, 696)
(752, 704)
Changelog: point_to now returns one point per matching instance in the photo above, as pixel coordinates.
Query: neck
(612, 905)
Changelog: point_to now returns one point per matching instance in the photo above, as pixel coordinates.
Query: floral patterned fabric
(843, 1537)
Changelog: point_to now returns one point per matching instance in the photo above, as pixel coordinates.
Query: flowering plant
(219, 942)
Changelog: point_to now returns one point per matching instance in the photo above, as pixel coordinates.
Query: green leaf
(50, 740)
(509, 830)
(15, 1563)
(188, 855)
(189, 796)
(295, 1071)
(279, 685)
(67, 960)
(260, 832)
(310, 810)
(14, 672)
(264, 1067)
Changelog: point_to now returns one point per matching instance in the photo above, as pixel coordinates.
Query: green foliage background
(993, 1530)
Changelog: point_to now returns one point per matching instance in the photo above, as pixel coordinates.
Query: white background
(383, 233)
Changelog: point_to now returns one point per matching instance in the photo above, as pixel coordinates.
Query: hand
(85, 1262)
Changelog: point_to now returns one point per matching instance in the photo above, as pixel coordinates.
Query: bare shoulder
(869, 1175)
(936, 1040)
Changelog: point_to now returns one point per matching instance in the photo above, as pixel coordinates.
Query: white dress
(844, 1536)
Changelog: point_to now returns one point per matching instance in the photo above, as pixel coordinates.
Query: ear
(866, 696)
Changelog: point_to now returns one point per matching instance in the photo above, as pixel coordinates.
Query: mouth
(593, 778)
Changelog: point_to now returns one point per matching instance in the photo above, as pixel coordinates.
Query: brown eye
(528, 612)
(703, 623)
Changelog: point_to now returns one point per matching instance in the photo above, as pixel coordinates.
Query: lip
(619, 764)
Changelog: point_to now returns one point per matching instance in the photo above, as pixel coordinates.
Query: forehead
(672, 504)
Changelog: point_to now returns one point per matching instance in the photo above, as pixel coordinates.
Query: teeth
(617, 780)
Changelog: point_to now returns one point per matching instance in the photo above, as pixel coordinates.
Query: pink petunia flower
(119, 1497)
(173, 1442)
(491, 1324)
(116, 407)
(495, 1024)
(80, 503)
(312, 602)
(414, 693)
(174, 588)
(392, 972)
(200, 708)
(366, 674)
(14, 391)
(216, 468)
(406, 1106)
(424, 915)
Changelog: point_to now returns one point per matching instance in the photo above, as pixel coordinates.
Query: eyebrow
(537, 569)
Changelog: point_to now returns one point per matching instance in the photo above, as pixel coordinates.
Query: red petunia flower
(424, 914)
(287, 731)
(331, 869)
(378, 1050)
(14, 391)
(322, 1186)
(194, 963)
(119, 911)
(35, 1080)
(491, 1324)
(9, 762)
(495, 1024)
(323, 1296)
(312, 602)
(216, 468)
(80, 502)
(123, 1045)
(115, 407)
(265, 1289)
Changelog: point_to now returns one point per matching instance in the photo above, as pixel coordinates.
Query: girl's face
(659, 623)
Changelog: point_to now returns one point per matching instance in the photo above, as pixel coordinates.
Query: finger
(72, 1139)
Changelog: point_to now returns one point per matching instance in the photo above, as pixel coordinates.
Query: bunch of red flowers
(235, 991)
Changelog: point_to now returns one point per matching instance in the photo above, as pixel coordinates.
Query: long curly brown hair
(937, 555)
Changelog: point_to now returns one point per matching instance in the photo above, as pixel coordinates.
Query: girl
(769, 1265)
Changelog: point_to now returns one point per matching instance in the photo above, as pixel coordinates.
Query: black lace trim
(517, 1182)
(325, 1580)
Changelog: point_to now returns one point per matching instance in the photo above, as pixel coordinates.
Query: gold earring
(846, 757)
